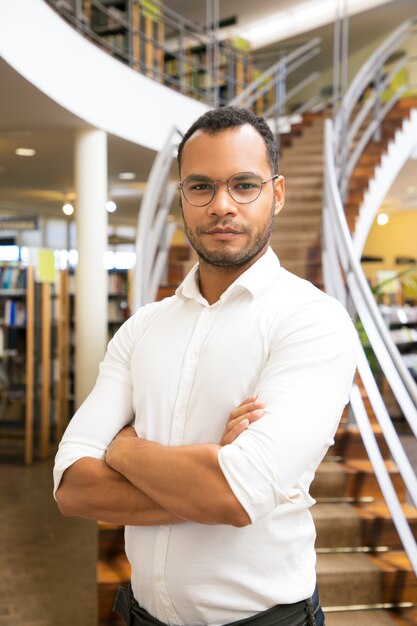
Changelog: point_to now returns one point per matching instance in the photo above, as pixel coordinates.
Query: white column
(90, 277)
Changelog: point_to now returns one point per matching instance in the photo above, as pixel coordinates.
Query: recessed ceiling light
(27, 152)
(111, 206)
(68, 209)
(411, 189)
(127, 175)
(382, 219)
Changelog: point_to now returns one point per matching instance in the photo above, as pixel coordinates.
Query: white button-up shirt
(177, 368)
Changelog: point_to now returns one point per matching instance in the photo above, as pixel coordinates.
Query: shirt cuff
(64, 459)
(256, 493)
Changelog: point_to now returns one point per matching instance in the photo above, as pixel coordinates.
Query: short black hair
(225, 117)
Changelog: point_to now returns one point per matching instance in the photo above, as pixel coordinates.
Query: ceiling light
(382, 219)
(127, 175)
(68, 209)
(111, 206)
(411, 189)
(27, 152)
(294, 20)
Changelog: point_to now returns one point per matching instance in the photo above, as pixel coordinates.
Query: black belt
(301, 613)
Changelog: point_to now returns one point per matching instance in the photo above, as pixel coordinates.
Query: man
(235, 386)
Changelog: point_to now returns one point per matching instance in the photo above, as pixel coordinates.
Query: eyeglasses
(243, 188)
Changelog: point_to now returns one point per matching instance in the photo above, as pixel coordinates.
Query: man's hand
(120, 444)
(247, 412)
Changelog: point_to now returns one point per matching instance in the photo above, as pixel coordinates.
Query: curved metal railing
(345, 141)
(154, 230)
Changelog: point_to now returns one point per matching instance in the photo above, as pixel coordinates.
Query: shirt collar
(254, 280)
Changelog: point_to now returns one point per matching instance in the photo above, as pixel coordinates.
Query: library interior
(96, 95)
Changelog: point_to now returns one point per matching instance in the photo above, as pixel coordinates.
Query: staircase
(371, 158)
(362, 570)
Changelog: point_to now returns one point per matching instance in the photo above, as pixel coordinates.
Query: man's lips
(223, 233)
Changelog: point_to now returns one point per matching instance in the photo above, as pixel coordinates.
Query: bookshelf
(233, 73)
(119, 304)
(31, 355)
(131, 31)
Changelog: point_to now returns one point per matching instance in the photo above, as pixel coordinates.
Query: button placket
(187, 376)
(161, 596)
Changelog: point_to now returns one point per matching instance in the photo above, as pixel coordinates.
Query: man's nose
(222, 203)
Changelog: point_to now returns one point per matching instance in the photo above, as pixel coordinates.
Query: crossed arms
(143, 483)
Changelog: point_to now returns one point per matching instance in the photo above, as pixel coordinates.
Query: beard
(228, 258)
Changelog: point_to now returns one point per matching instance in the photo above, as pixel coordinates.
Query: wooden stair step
(404, 617)
(288, 168)
(353, 479)
(111, 543)
(399, 580)
(377, 527)
(179, 252)
(349, 444)
(165, 291)
(344, 579)
(297, 161)
(359, 618)
(302, 207)
(337, 525)
(298, 253)
(296, 223)
(309, 150)
(110, 575)
(310, 195)
(330, 481)
(175, 272)
(306, 180)
(361, 480)
(282, 236)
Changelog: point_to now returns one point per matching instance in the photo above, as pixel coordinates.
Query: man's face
(225, 233)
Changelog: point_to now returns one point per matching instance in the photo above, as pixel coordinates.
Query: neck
(214, 280)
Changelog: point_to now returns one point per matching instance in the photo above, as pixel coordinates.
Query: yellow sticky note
(45, 266)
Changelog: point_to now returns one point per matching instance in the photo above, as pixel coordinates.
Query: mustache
(219, 223)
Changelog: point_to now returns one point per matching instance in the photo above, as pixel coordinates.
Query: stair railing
(155, 230)
(368, 103)
(345, 280)
(274, 80)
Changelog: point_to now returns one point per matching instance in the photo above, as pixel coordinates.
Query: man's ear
(279, 193)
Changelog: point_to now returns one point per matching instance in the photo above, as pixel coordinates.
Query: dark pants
(304, 613)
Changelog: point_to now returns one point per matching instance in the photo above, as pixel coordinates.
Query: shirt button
(158, 578)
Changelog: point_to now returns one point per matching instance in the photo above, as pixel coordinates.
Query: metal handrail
(275, 79)
(182, 34)
(182, 37)
(344, 279)
(154, 231)
(346, 133)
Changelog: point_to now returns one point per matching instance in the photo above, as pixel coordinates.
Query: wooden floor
(47, 562)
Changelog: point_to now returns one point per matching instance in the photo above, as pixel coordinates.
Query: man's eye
(201, 187)
(246, 186)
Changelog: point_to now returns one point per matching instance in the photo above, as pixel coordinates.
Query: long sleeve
(305, 386)
(106, 410)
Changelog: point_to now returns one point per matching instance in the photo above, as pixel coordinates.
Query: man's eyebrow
(241, 175)
(198, 176)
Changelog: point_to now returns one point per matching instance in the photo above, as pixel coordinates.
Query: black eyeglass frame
(226, 180)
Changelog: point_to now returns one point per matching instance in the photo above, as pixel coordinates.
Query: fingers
(250, 404)
(238, 424)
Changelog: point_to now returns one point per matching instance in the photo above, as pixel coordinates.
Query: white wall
(83, 79)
